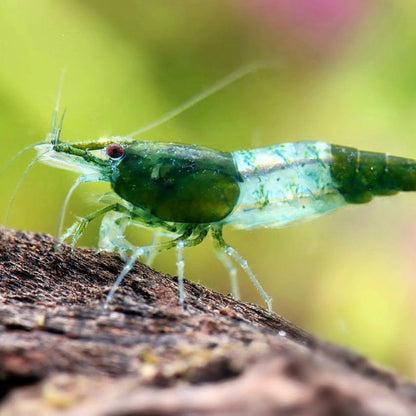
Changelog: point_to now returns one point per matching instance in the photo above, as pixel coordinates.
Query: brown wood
(62, 353)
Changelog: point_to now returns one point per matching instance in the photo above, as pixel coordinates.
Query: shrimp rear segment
(291, 182)
(361, 175)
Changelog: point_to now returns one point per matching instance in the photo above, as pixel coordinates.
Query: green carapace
(178, 183)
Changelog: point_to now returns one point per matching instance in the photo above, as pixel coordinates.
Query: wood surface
(61, 353)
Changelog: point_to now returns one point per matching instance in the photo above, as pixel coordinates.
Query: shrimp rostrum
(188, 191)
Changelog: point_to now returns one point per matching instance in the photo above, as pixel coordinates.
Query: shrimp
(188, 191)
(184, 192)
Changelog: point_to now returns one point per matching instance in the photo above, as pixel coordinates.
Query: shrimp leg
(182, 241)
(78, 227)
(232, 271)
(221, 245)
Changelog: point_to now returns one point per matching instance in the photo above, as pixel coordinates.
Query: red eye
(115, 151)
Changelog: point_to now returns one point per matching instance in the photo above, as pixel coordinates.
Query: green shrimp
(187, 191)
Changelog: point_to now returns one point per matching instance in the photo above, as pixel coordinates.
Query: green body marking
(361, 175)
(178, 183)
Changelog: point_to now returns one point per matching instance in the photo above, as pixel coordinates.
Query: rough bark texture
(61, 353)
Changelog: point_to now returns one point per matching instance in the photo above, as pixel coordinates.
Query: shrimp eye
(115, 151)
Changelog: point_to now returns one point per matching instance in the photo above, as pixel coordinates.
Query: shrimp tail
(361, 175)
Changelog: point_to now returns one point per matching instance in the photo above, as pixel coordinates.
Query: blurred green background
(346, 74)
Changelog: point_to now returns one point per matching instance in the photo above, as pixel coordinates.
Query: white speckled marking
(284, 183)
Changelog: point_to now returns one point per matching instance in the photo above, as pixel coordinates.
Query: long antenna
(219, 85)
(18, 155)
(19, 184)
(64, 205)
(53, 136)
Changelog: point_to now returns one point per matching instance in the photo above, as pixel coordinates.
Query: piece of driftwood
(61, 353)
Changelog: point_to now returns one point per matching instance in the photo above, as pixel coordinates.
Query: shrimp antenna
(19, 184)
(59, 129)
(53, 136)
(219, 85)
(18, 155)
(81, 179)
(64, 205)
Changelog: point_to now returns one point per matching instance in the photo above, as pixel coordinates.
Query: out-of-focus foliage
(346, 74)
